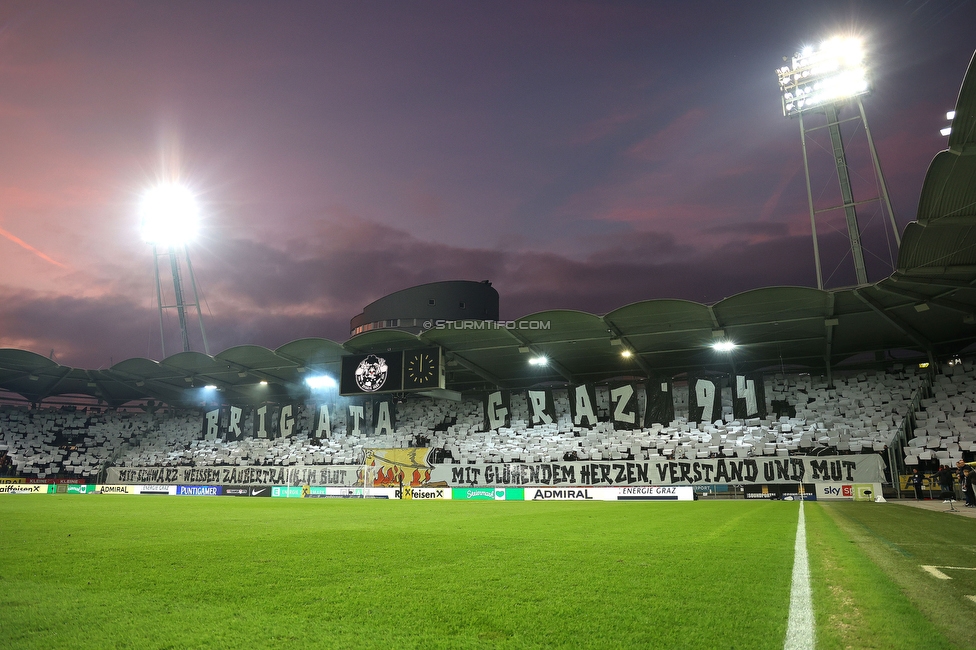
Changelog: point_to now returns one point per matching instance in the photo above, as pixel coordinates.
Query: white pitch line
(934, 570)
(800, 628)
(972, 598)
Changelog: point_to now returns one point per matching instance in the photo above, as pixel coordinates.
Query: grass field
(139, 572)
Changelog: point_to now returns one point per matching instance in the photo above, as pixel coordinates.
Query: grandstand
(844, 372)
(922, 422)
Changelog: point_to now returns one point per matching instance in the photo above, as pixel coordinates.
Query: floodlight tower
(169, 223)
(825, 79)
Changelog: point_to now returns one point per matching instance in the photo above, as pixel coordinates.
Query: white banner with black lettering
(864, 468)
(339, 475)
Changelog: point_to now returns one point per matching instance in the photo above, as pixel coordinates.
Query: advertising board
(488, 494)
(848, 491)
(114, 489)
(154, 490)
(198, 490)
(27, 488)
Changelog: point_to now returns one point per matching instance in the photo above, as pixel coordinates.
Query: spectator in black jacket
(944, 477)
(915, 480)
(969, 487)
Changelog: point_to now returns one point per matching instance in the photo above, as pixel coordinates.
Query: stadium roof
(927, 305)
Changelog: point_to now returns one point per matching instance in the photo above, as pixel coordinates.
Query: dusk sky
(580, 155)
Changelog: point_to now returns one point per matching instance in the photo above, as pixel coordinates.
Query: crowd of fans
(932, 418)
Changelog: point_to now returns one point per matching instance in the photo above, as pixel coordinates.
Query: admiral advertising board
(636, 493)
(114, 489)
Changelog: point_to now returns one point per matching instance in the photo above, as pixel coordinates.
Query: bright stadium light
(830, 73)
(169, 215)
(169, 218)
(210, 387)
(951, 115)
(723, 346)
(539, 361)
(626, 354)
(262, 383)
(320, 382)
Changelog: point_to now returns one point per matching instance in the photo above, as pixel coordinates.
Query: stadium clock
(421, 368)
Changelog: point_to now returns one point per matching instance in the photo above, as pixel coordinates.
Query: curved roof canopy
(928, 305)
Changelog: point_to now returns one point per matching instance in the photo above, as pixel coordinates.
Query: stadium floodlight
(539, 361)
(320, 382)
(827, 79)
(262, 383)
(210, 387)
(830, 73)
(946, 131)
(170, 216)
(723, 346)
(951, 115)
(626, 354)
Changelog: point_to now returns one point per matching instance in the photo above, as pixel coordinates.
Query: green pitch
(93, 571)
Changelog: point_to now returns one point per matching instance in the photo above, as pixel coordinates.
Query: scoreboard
(392, 372)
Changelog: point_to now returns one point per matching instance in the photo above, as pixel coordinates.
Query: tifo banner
(748, 397)
(623, 405)
(413, 463)
(542, 407)
(582, 405)
(497, 407)
(704, 399)
(238, 475)
(659, 408)
(409, 467)
(866, 468)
